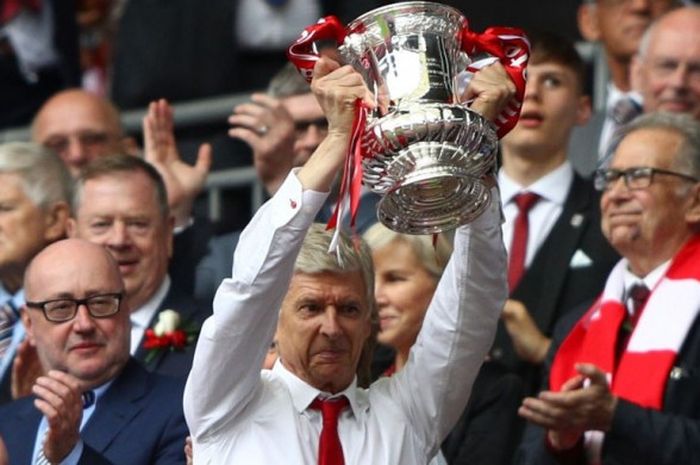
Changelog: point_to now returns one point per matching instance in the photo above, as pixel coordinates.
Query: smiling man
(120, 202)
(93, 405)
(623, 382)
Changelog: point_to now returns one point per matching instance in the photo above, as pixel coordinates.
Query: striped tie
(8, 318)
(88, 398)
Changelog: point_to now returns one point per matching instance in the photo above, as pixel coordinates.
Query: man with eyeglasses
(94, 404)
(618, 25)
(623, 380)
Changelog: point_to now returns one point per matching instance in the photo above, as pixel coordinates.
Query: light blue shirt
(74, 456)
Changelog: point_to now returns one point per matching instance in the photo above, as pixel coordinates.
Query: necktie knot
(625, 110)
(638, 294)
(88, 398)
(330, 408)
(525, 201)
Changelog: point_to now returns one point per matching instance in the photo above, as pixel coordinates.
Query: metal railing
(203, 112)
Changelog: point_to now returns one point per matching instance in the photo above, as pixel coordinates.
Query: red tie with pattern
(518, 246)
(330, 451)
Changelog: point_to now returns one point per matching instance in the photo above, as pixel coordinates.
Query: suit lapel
(26, 425)
(117, 407)
(555, 254)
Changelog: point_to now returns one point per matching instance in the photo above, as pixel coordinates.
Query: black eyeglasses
(635, 178)
(60, 310)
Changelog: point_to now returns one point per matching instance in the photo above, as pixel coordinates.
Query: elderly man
(237, 414)
(667, 67)
(120, 202)
(622, 384)
(94, 404)
(34, 211)
(618, 25)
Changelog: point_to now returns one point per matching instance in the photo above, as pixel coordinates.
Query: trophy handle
(304, 53)
(510, 46)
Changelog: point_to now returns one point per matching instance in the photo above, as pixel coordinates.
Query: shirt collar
(303, 393)
(615, 94)
(142, 316)
(650, 280)
(553, 187)
(17, 298)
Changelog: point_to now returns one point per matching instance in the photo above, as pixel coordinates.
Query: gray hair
(649, 32)
(433, 258)
(44, 177)
(287, 83)
(688, 155)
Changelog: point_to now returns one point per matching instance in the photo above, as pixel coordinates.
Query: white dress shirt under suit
(238, 414)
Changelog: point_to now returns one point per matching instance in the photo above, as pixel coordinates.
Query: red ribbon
(302, 52)
(511, 47)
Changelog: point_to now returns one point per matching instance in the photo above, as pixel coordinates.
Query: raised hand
(182, 181)
(268, 128)
(59, 400)
(489, 91)
(26, 368)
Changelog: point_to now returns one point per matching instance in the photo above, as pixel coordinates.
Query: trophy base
(431, 197)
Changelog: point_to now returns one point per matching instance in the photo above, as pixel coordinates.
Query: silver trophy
(422, 150)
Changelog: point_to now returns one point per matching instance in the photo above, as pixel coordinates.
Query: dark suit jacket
(583, 145)
(20, 99)
(192, 313)
(138, 421)
(551, 286)
(640, 436)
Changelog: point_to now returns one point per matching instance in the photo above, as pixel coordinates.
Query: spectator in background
(667, 68)
(623, 381)
(618, 25)
(38, 55)
(34, 210)
(94, 404)
(120, 202)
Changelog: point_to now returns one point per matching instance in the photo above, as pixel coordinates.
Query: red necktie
(518, 247)
(11, 8)
(330, 451)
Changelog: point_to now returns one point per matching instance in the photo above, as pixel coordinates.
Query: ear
(72, 227)
(636, 69)
(587, 19)
(28, 327)
(692, 214)
(56, 221)
(583, 110)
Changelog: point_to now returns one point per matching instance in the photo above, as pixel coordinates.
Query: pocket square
(580, 260)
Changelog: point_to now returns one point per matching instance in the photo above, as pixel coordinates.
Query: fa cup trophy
(422, 149)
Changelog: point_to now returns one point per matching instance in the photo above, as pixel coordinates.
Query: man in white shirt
(237, 414)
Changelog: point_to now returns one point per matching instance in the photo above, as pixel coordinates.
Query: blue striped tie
(8, 318)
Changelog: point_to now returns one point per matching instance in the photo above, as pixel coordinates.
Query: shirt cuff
(74, 456)
(291, 199)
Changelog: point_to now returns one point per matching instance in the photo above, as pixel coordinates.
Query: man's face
(91, 349)
(311, 125)
(647, 225)
(552, 106)
(324, 323)
(79, 128)
(120, 211)
(668, 74)
(620, 24)
(25, 228)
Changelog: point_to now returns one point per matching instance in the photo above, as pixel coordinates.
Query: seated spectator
(623, 382)
(94, 404)
(34, 211)
(120, 202)
(325, 306)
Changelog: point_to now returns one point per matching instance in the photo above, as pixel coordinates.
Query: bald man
(94, 405)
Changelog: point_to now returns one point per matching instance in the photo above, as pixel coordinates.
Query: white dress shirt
(238, 414)
(143, 315)
(609, 126)
(553, 188)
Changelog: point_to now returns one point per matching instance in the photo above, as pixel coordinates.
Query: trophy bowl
(422, 150)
